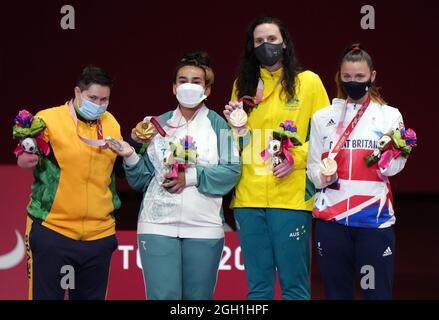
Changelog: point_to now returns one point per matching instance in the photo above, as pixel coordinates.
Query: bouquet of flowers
(399, 142)
(284, 137)
(30, 132)
(180, 156)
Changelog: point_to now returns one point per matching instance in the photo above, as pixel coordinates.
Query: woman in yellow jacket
(272, 202)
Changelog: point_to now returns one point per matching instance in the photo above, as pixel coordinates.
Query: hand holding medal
(144, 131)
(236, 116)
(121, 148)
(328, 170)
(328, 166)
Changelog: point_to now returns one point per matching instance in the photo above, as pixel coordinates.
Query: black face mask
(268, 53)
(356, 90)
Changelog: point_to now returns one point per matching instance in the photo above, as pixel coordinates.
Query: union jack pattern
(361, 196)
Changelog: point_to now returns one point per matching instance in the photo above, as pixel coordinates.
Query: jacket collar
(178, 119)
(270, 76)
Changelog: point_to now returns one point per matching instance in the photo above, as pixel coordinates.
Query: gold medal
(144, 130)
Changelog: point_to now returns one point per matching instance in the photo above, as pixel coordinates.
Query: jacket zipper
(86, 187)
(350, 177)
(267, 189)
(182, 198)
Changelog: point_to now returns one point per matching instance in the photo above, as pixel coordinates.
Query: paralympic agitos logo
(15, 256)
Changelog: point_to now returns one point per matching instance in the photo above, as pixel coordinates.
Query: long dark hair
(248, 75)
(356, 53)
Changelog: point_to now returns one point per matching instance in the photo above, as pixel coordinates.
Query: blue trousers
(53, 257)
(179, 269)
(275, 239)
(345, 252)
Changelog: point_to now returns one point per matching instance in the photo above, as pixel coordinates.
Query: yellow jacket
(258, 187)
(73, 192)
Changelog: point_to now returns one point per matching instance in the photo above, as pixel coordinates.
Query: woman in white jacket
(354, 205)
(181, 226)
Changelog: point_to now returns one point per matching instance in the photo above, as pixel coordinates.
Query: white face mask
(190, 95)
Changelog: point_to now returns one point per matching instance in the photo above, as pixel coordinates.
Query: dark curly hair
(248, 74)
(198, 59)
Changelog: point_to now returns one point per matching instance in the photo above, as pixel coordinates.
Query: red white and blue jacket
(361, 196)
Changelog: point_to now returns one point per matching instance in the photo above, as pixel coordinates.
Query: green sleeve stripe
(310, 189)
(115, 197)
(44, 188)
(309, 131)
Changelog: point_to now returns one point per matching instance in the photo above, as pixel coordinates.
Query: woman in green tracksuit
(180, 226)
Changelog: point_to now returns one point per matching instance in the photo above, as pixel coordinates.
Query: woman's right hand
(27, 160)
(228, 108)
(136, 138)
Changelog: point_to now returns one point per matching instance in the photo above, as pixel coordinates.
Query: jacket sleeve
(242, 141)
(139, 171)
(300, 154)
(320, 100)
(315, 155)
(118, 164)
(396, 165)
(46, 132)
(219, 179)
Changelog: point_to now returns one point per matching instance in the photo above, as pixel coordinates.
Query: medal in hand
(328, 167)
(114, 144)
(238, 118)
(144, 130)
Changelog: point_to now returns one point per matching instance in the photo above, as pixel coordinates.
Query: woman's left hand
(177, 184)
(283, 169)
(328, 179)
(121, 148)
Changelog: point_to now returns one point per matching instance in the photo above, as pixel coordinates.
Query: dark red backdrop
(139, 43)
